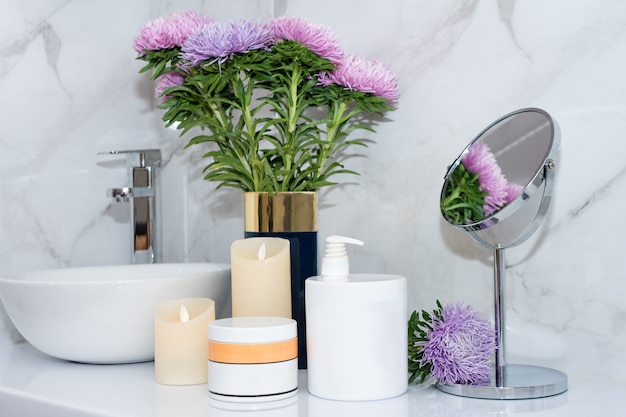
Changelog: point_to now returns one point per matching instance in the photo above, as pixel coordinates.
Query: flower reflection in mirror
(477, 188)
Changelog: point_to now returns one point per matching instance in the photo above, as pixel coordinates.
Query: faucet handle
(147, 157)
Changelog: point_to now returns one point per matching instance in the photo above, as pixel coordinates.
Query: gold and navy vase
(292, 216)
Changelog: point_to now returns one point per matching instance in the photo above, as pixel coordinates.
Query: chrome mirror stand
(526, 144)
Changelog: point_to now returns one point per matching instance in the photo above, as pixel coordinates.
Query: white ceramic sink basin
(105, 314)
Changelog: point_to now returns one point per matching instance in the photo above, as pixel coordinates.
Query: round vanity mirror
(500, 174)
(498, 190)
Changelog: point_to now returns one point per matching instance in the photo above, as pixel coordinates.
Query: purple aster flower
(459, 347)
(154, 35)
(360, 74)
(207, 42)
(247, 35)
(168, 33)
(183, 24)
(318, 38)
(217, 41)
(480, 160)
(165, 81)
(512, 191)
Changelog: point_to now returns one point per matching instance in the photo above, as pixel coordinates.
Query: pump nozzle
(335, 263)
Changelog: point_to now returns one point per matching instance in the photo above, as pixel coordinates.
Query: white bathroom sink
(16, 404)
(105, 314)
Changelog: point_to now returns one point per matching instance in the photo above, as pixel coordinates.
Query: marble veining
(70, 87)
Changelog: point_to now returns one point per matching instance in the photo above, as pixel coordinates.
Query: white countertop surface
(33, 384)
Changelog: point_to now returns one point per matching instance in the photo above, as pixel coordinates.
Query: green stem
(449, 199)
(333, 130)
(293, 115)
(217, 112)
(251, 128)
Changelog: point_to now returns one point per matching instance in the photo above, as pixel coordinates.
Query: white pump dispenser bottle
(356, 330)
(335, 265)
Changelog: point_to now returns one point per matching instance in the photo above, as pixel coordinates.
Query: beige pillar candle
(181, 332)
(261, 277)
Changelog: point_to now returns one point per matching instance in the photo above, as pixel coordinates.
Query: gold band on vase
(280, 212)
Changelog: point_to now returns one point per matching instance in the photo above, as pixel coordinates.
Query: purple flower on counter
(460, 346)
(360, 74)
(480, 160)
(171, 32)
(318, 38)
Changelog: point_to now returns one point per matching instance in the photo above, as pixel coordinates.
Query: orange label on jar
(244, 353)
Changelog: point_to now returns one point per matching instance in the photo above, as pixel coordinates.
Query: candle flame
(262, 252)
(184, 314)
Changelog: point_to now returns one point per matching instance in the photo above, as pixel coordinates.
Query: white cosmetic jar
(253, 359)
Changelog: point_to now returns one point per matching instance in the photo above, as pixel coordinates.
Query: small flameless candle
(181, 330)
(261, 277)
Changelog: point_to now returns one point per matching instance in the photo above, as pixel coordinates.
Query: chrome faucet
(143, 166)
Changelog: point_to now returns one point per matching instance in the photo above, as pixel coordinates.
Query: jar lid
(252, 329)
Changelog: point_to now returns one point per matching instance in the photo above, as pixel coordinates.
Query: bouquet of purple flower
(277, 100)
(452, 345)
(477, 188)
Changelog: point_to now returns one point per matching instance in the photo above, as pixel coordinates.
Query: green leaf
(463, 201)
(419, 369)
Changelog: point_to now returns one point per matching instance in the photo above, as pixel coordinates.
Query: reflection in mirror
(477, 188)
(496, 168)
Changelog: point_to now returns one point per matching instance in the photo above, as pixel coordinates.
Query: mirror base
(520, 382)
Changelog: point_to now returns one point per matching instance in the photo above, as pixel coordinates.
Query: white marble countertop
(32, 383)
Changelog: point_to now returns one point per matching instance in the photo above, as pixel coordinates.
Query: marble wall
(69, 87)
